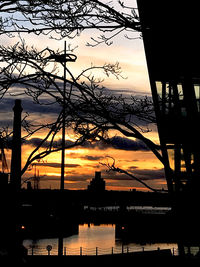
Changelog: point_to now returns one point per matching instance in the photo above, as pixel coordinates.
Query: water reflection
(91, 239)
(93, 236)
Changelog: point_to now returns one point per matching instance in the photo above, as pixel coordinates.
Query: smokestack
(15, 177)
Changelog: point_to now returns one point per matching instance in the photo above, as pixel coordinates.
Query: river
(90, 240)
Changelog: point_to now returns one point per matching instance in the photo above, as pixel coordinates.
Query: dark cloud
(123, 143)
(116, 142)
(36, 142)
(96, 145)
(133, 168)
(128, 160)
(92, 158)
(146, 174)
(48, 107)
(56, 165)
(120, 177)
(7, 104)
(6, 122)
(73, 176)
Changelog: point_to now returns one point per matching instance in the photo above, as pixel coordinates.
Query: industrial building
(97, 184)
(171, 42)
(170, 31)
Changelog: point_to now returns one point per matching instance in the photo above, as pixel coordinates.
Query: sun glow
(82, 162)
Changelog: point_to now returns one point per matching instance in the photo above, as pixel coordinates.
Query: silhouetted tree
(29, 68)
(91, 110)
(111, 167)
(68, 18)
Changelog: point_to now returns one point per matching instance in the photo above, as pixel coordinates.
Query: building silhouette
(97, 184)
(170, 31)
(171, 42)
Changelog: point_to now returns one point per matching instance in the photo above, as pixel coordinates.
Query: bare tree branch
(68, 18)
(91, 109)
(111, 167)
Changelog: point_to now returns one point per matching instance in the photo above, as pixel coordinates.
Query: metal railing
(82, 251)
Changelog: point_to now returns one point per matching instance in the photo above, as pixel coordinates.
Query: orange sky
(83, 162)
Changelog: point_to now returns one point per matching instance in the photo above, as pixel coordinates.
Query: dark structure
(171, 40)
(97, 184)
(15, 177)
(3, 180)
(171, 43)
(11, 249)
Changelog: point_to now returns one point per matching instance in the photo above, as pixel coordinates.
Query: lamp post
(62, 178)
(63, 59)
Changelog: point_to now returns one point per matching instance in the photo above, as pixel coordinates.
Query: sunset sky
(82, 162)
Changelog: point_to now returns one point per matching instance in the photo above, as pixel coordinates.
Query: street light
(63, 59)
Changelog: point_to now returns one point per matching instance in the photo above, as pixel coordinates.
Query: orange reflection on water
(92, 236)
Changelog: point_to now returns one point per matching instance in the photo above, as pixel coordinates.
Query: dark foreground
(160, 258)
